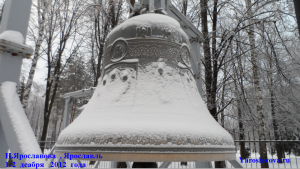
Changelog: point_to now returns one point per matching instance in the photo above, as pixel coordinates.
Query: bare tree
(41, 7)
(107, 16)
(63, 27)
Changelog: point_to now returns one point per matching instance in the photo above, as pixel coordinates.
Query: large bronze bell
(147, 107)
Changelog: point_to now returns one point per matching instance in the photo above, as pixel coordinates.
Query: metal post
(168, 5)
(235, 164)
(128, 165)
(163, 4)
(66, 120)
(15, 17)
(151, 6)
(165, 165)
(113, 164)
(96, 164)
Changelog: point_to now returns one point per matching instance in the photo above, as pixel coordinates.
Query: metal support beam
(128, 165)
(151, 6)
(189, 28)
(165, 165)
(201, 164)
(66, 119)
(235, 164)
(129, 4)
(15, 17)
(168, 5)
(96, 164)
(163, 4)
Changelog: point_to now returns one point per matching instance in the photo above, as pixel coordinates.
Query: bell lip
(146, 150)
(152, 157)
(142, 146)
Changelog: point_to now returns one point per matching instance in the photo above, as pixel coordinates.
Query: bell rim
(147, 149)
(151, 157)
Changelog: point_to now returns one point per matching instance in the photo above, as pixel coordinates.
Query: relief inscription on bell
(151, 49)
(147, 48)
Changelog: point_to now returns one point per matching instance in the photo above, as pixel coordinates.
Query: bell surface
(146, 106)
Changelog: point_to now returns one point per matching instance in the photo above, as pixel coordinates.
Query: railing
(284, 146)
(290, 158)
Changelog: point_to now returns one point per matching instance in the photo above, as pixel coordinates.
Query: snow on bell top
(146, 99)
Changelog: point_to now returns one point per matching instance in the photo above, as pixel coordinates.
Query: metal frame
(196, 39)
(15, 17)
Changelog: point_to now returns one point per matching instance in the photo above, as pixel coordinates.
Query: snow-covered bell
(146, 106)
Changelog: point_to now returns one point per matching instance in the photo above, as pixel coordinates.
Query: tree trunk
(239, 77)
(258, 93)
(223, 97)
(100, 46)
(210, 75)
(213, 110)
(99, 64)
(206, 49)
(41, 15)
(279, 150)
(241, 130)
(44, 133)
(184, 7)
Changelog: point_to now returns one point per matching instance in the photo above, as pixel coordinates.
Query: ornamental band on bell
(167, 45)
